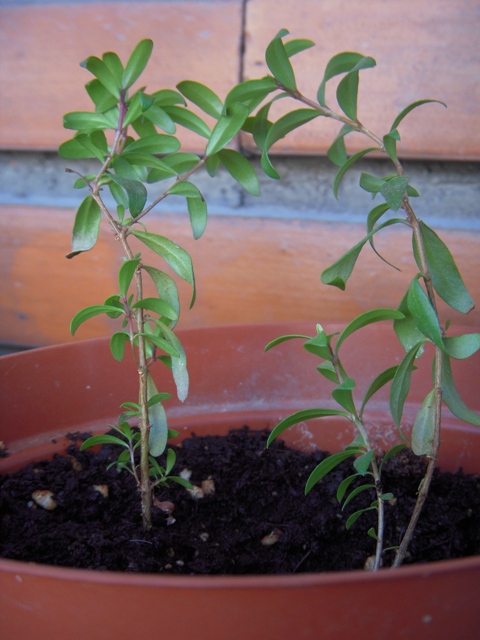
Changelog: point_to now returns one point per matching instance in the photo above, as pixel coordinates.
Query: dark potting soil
(256, 521)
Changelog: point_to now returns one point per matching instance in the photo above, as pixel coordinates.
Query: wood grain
(423, 49)
(247, 270)
(42, 47)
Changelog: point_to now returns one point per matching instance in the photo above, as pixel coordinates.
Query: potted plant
(260, 389)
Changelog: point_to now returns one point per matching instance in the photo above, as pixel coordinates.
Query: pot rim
(437, 568)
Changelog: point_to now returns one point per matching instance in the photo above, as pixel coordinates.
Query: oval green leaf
(241, 170)
(364, 319)
(137, 62)
(90, 312)
(302, 416)
(278, 62)
(85, 227)
(327, 465)
(423, 313)
(446, 278)
(202, 96)
(227, 128)
(176, 257)
(424, 427)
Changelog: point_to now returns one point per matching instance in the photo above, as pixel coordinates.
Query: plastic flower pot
(48, 392)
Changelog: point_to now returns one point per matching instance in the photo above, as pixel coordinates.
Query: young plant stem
(121, 232)
(432, 458)
(375, 472)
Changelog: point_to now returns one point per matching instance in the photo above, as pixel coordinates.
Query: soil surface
(253, 519)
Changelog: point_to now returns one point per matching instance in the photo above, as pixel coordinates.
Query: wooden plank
(423, 49)
(42, 47)
(247, 269)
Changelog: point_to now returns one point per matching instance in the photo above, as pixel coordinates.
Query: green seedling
(131, 135)
(416, 320)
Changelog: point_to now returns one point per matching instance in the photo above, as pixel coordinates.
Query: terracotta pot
(49, 392)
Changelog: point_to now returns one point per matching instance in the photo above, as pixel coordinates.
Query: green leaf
(406, 329)
(227, 128)
(136, 192)
(346, 166)
(179, 362)
(364, 319)
(250, 90)
(278, 62)
(342, 63)
(166, 287)
(157, 116)
(327, 465)
(390, 144)
(343, 395)
(409, 108)
(137, 62)
(362, 463)
(281, 339)
(279, 130)
(101, 98)
(401, 384)
(161, 343)
(212, 165)
(157, 306)
(357, 490)
(181, 161)
(337, 152)
(159, 144)
(328, 371)
(371, 183)
(347, 94)
(84, 146)
(176, 257)
(394, 191)
(125, 275)
(117, 344)
(373, 217)
(85, 227)
(380, 381)
(114, 65)
(424, 427)
(390, 453)
(158, 434)
(168, 97)
(446, 278)
(301, 416)
(89, 312)
(292, 47)
(344, 485)
(464, 346)
(452, 398)
(101, 71)
(355, 516)
(197, 207)
(202, 96)
(319, 345)
(125, 169)
(186, 189)
(102, 439)
(240, 168)
(338, 273)
(423, 313)
(197, 210)
(188, 119)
